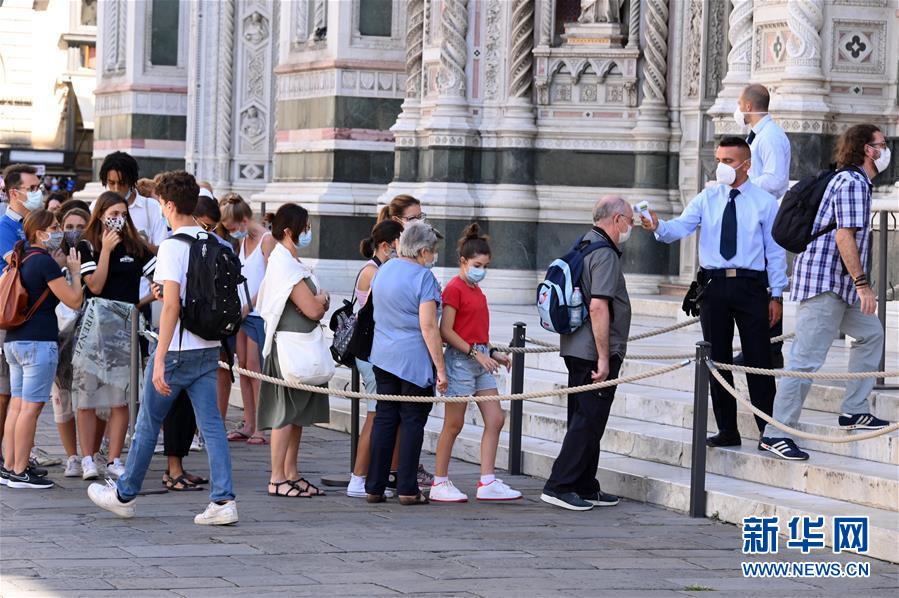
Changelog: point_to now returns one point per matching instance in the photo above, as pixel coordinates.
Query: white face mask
(883, 160)
(739, 117)
(727, 174)
(622, 237)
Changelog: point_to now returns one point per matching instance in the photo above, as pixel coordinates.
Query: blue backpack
(554, 294)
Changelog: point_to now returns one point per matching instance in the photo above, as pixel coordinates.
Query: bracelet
(492, 351)
(861, 285)
(472, 351)
(860, 278)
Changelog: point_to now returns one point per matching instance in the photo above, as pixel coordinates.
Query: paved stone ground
(55, 543)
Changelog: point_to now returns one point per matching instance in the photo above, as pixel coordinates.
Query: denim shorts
(254, 328)
(367, 378)
(466, 375)
(32, 366)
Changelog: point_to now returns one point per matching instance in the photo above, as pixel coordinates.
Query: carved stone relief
(859, 47)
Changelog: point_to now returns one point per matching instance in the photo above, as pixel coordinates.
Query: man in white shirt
(770, 167)
(768, 143)
(182, 361)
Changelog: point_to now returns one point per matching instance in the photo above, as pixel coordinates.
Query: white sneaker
(497, 490)
(198, 444)
(116, 468)
(216, 514)
(100, 462)
(446, 492)
(106, 497)
(42, 458)
(89, 469)
(356, 487)
(73, 467)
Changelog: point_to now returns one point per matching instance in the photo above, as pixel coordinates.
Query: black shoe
(4, 476)
(784, 448)
(391, 482)
(861, 421)
(37, 471)
(26, 479)
(724, 439)
(566, 500)
(601, 499)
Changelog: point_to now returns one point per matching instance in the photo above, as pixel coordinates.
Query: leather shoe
(723, 439)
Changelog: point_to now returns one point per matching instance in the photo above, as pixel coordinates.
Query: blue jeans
(195, 372)
(32, 365)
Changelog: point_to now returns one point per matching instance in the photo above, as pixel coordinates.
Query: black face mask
(70, 238)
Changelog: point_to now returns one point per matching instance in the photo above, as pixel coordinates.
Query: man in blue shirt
(738, 259)
(24, 190)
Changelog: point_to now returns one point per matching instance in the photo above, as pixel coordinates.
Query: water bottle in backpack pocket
(560, 303)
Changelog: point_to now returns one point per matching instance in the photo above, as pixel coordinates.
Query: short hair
(850, 148)
(145, 187)
(757, 95)
(416, 237)
(71, 204)
(397, 206)
(734, 141)
(208, 208)
(124, 164)
(609, 205)
(386, 231)
(12, 175)
(180, 188)
(290, 216)
(234, 208)
(83, 214)
(472, 242)
(37, 220)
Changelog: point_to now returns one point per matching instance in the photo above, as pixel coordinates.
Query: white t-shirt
(171, 264)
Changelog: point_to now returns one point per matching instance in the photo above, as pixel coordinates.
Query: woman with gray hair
(406, 350)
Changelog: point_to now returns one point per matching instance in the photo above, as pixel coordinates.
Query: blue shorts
(466, 375)
(32, 366)
(254, 328)
(367, 377)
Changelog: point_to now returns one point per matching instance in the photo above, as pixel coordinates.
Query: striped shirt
(819, 269)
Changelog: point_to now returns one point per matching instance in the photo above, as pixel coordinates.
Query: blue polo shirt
(11, 232)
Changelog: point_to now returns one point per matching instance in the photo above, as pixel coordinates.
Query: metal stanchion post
(515, 409)
(882, 291)
(133, 387)
(700, 428)
(354, 418)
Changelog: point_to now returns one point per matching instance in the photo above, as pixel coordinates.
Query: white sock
(439, 479)
(487, 479)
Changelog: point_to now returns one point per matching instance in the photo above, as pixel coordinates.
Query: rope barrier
(349, 394)
(805, 375)
(659, 331)
(789, 429)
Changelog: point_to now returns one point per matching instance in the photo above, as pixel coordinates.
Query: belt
(735, 273)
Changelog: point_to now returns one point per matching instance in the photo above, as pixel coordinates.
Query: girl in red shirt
(470, 363)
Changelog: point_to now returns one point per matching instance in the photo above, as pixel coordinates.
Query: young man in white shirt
(182, 361)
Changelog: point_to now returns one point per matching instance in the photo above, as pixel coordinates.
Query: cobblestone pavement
(55, 543)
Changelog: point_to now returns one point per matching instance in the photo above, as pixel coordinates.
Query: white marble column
(653, 113)
(407, 122)
(519, 110)
(633, 27)
(451, 111)
(739, 59)
(802, 88)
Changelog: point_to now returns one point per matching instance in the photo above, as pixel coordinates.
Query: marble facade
(517, 113)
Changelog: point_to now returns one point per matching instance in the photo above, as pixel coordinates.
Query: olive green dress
(280, 406)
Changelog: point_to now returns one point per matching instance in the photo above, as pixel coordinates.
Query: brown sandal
(418, 499)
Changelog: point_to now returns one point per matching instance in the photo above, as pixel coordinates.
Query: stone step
(728, 499)
(673, 407)
(548, 368)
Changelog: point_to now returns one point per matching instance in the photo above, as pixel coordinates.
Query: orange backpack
(14, 309)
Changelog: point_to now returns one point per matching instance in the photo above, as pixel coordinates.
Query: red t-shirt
(472, 316)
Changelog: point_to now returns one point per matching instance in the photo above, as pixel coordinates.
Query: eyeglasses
(882, 145)
(32, 188)
(419, 218)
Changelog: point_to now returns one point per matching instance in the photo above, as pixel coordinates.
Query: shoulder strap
(185, 238)
(833, 225)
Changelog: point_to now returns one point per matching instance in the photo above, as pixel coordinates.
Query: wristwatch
(472, 351)
(778, 299)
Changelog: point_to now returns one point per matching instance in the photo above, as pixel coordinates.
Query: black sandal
(309, 490)
(195, 479)
(179, 484)
(418, 499)
(290, 488)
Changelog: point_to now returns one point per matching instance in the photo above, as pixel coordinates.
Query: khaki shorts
(62, 406)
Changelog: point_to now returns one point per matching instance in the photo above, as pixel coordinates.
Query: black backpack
(795, 218)
(211, 308)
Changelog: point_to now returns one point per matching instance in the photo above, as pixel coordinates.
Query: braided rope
(658, 331)
(805, 375)
(349, 394)
(789, 429)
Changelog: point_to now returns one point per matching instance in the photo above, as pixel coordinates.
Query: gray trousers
(818, 321)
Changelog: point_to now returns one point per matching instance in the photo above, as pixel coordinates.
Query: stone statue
(252, 125)
(255, 28)
(600, 11)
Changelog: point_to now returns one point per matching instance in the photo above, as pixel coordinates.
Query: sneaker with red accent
(497, 490)
(446, 492)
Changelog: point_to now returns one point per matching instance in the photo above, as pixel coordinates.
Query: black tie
(750, 138)
(729, 227)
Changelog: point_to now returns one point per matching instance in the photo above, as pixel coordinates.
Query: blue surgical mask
(305, 238)
(433, 262)
(34, 200)
(476, 275)
(238, 234)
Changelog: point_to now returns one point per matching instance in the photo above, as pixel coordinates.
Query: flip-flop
(195, 479)
(257, 440)
(237, 436)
